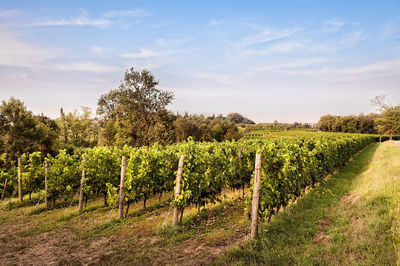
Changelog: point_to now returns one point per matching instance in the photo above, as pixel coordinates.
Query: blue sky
(270, 60)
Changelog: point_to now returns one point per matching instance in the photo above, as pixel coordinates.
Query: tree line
(133, 114)
(385, 122)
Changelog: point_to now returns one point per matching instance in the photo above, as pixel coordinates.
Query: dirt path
(61, 236)
(367, 217)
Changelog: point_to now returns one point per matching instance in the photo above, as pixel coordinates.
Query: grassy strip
(13, 203)
(208, 220)
(286, 240)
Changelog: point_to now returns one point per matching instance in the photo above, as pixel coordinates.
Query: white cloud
(294, 63)
(109, 18)
(138, 13)
(9, 13)
(352, 38)
(98, 50)
(87, 67)
(279, 47)
(16, 52)
(214, 22)
(266, 36)
(219, 78)
(144, 53)
(333, 24)
(386, 71)
(81, 20)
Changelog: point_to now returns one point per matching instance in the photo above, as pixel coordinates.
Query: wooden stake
(121, 188)
(240, 165)
(46, 173)
(81, 188)
(20, 180)
(3, 196)
(178, 188)
(256, 196)
(380, 138)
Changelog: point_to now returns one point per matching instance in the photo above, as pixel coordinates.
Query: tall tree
(19, 130)
(389, 120)
(138, 108)
(78, 129)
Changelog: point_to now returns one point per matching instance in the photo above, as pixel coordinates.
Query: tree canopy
(21, 131)
(137, 109)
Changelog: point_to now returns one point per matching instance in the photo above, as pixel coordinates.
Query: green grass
(348, 220)
(13, 203)
(209, 221)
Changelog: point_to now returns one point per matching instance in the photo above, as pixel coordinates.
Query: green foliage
(348, 124)
(78, 129)
(239, 119)
(389, 120)
(102, 168)
(11, 176)
(137, 109)
(203, 175)
(150, 171)
(289, 166)
(201, 128)
(32, 173)
(18, 131)
(64, 176)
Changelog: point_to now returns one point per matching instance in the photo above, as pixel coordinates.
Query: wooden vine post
(121, 188)
(178, 188)
(82, 182)
(20, 180)
(256, 197)
(380, 138)
(46, 176)
(240, 167)
(3, 196)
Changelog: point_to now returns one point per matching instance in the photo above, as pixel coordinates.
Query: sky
(269, 60)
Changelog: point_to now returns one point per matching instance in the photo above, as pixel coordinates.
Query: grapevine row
(288, 167)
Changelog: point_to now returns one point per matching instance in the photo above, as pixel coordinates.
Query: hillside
(349, 219)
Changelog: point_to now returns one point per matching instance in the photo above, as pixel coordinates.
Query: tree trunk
(159, 198)
(127, 208)
(105, 199)
(269, 217)
(4, 190)
(180, 220)
(86, 199)
(30, 195)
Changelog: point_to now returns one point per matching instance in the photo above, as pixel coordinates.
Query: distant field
(268, 133)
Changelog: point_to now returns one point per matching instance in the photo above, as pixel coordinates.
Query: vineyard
(71, 201)
(289, 166)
